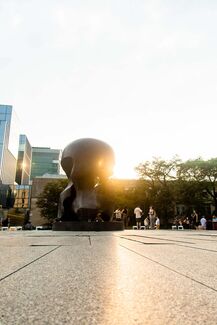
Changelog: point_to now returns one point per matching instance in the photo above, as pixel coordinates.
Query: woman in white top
(118, 214)
(157, 223)
(138, 215)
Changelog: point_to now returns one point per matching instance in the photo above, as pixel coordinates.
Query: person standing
(125, 216)
(194, 219)
(138, 215)
(152, 217)
(1, 215)
(203, 222)
(118, 214)
(157, 223)
(146, 222)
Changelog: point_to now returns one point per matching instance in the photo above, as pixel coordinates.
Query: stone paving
(154, 277)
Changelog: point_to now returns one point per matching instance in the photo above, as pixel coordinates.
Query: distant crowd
(149, 221)
(152, 221)
(191, 222)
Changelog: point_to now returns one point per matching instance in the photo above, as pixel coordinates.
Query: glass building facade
(22, 195)
(45, 161)
(9, 141)
(24, 161)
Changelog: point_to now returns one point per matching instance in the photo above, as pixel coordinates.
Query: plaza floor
(153, 277)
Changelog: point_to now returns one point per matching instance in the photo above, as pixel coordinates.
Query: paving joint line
(151, 237)
(199, 248)
(24, 266)
(170, 269)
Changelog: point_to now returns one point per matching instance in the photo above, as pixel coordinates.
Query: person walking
(138, 215)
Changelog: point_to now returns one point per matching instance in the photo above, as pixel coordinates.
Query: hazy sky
(140, 75)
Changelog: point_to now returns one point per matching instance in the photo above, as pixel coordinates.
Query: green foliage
(160, 176)
(204, 174)
(158, 170)
(49, 199)
(129, 195)
(192, 183)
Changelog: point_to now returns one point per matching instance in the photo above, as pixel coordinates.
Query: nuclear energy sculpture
(88, 164)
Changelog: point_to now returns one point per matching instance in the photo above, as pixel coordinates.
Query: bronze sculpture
(88, 164)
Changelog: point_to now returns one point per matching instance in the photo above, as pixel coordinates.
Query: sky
(140, 75)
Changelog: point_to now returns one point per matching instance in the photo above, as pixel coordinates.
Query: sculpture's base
(87, 226)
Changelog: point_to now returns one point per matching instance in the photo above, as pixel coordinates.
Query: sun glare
(124, 170)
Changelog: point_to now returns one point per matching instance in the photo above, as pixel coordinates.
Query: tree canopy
(159, 175)
(48, 200)
(203, 172)
(192, 183)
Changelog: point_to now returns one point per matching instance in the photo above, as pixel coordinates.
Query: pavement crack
(24, 266)
(170, 269)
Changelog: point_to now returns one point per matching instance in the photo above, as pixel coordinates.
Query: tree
(160, 176)
(158, 170)
(191, 195)
(192, 183)
(48, 200)
(204, 173)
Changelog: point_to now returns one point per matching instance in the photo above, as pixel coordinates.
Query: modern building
(22, 196)
(24, 161)
(9, 142)
(45, 161)
(7, 196)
